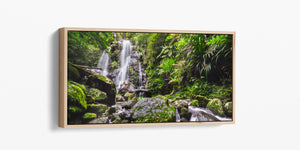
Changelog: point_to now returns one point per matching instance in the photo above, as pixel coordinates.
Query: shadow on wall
(54, 79)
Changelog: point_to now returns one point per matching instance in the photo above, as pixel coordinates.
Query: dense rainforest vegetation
(197, 67)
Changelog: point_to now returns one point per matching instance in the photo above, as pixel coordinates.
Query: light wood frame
(63, 58)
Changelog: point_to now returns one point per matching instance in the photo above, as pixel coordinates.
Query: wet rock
(153, 110)
(184, 113)
(103, 84)
(97, 95)
(89, 116)
(128, 96)
(228, 109)
(110, 110)
(102, 119)
(117, 120)
(120, 98)
(216, 107)
(96, 108)
(129, 104)
(127, 87)
(125, 121)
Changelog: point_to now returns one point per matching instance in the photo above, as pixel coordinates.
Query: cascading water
(140, 76)
(204, 114)
(177, 116)
(103, 63)
(123, 74)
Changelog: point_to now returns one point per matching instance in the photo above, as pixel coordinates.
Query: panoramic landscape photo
(127, 77)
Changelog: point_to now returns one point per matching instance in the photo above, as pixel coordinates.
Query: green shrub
(195, 103)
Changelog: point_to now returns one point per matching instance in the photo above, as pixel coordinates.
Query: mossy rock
(134, 98)
(129, 104)
(77, 72)
(104, 84)
(97, 95)
(228, 109)
(150, 110)
(89, 116)
(202, 101)
(76, 95)
(117, 120)
(96, 108)
(110, 110)
(75, 110)
(73, 73)
(215, 106)
(195, 103)
(184, 113)
(120, 98)
(125, 121)
(128, 96)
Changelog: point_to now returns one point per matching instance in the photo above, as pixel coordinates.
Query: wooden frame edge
(63, 77)
(63, 46)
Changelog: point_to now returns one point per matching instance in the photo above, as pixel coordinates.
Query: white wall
(267, 72)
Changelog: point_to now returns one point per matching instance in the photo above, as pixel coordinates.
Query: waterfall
(204, 114)
(140, 76)
(103, 63)
(123, 74)
(177, 116)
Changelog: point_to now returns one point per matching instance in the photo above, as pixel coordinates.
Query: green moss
(215, 105)
(228, 108)
(159, 113)
(100, 77)
(73, 73)
(131, 69)
(128, 96)
(97, 94)
(76, 96)
(79, 85)
(89, 116)
(195, 103)
(75, 109)
(134, 99)
(117, 120)
(110, 111)
(115, 64)
(96, 108)
(183, 110)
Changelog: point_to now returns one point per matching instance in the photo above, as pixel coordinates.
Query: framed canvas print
(134, 77)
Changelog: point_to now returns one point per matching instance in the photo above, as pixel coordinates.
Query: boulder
(103, 84)
(97, 95)
(128, 96)
(96, 108)
(76, 95)
(228, 109)
(148, 110)
(102, 119)
(120, 98)
(216, 107)
(110, 110)
(73, 73)
(181, 103)
(129, 104)
(184, 113)
(116, 120)
(127, 87)
(89, 116)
